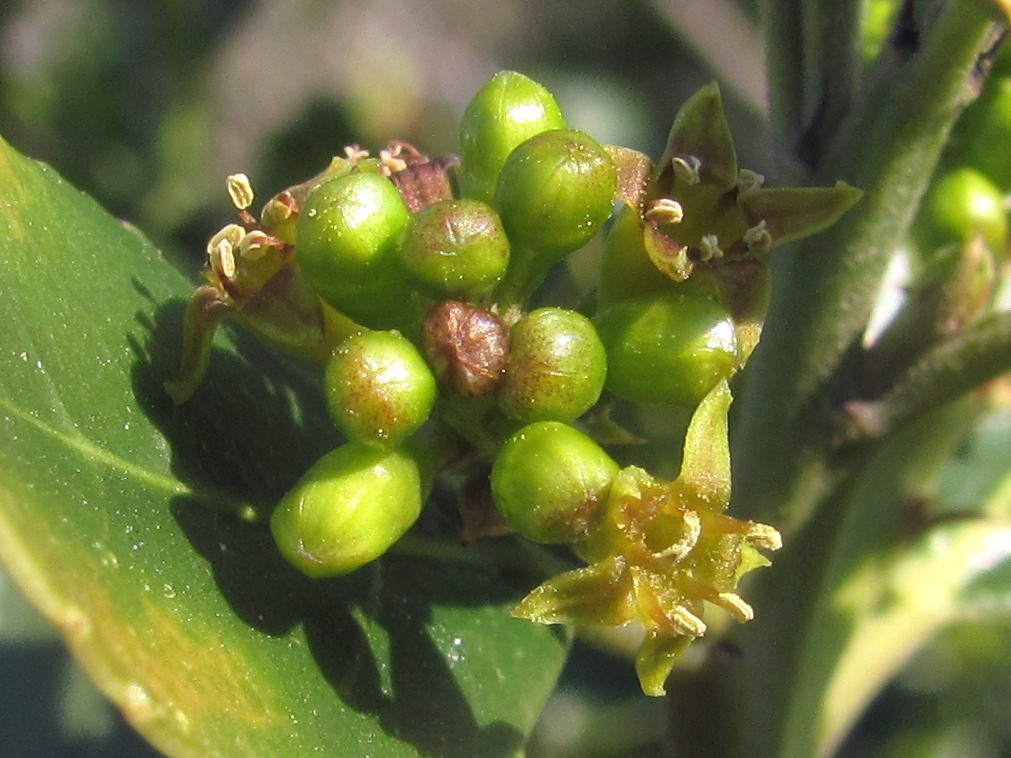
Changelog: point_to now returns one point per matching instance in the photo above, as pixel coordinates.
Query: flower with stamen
(663, 551)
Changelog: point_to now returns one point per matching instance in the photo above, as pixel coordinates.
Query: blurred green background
(148, 105)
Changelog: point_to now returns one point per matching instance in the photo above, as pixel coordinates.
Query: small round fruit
(507, 110)
(347, 234)
(550, 481)
(555, 192)
(455, 249)
(670, 348)
(378, 388)
(556, 367)
(350, 507)
(961, 205)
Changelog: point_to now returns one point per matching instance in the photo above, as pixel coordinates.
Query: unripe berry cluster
(409, 279)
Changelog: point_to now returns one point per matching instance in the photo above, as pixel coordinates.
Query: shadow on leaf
(254, 426)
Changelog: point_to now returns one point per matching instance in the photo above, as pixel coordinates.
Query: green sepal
(790, 213)
(700, 130)
(705, 467)
(655, 660)
(598, 594)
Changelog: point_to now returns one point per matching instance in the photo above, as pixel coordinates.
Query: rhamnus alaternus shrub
(408, 281)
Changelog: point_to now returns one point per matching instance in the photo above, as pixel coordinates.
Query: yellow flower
(664, 550)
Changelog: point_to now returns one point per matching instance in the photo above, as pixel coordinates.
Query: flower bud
(378, 388)
(455, 249)
(551, 482)
(669, 348)
(556, 367)
(350, 507)
(509, 109)
(555, 192)
(347, 233)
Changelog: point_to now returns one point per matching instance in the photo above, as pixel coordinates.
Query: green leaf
(118, 520)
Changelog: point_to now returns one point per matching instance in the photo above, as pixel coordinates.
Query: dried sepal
(204, 313)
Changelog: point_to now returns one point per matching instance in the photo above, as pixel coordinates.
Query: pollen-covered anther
(736, 606)
(232, 233)
(279, 209)
(392, 162)
(240, 191)
(748, 181)
(686, 168)
(709, 246)
(222, 259)
(355, 153)
(763, 537)
(757, 238)
(665, 210)
(686, 622)
(255, 244)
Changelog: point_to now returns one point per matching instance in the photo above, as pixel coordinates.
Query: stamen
(686, 168)
(254, 244)
(710, 247)
(240, 191)
(757, 238)
(736, 606)
(355, 153)
(748, 181)
(665, 210)
(232, 233)
(687, 622)
(763, 537)
(223, 260)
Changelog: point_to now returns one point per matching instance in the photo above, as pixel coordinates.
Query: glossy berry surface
(455, 249)
(347, 233)
(508, 110)
(555, 192)
(556, 367)
(378, 388)
(347, 510)
(550, 481)
(670, 348)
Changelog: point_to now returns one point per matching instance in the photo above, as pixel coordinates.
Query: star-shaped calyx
(700, 207)
(697, 214)
(664, 550)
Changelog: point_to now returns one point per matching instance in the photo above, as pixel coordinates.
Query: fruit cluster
(408, 279)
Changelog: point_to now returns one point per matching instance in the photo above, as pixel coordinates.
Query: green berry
(626, 269)
(669, 348)
(379, 388)
(556, 367)
(961, 205)
(350, 507)
(555, 192)
(550, 481)
(507, 110)
(347, 246)
(455, 249)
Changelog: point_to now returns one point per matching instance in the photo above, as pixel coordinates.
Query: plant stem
(980, 353)
(824, 290)
(784, 59)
